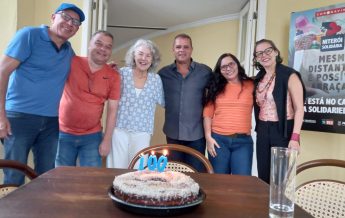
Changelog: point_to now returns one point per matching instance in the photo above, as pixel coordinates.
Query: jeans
(199, 145)
(85, 147)
(39, 133)
(234, 156)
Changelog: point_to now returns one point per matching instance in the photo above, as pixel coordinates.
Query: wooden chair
(11, 164)
(174, 165)
(322, 197)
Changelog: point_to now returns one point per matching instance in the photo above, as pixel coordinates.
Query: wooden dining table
(83, 192)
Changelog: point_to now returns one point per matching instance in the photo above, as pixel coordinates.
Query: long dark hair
(218, 82)
(256, 64)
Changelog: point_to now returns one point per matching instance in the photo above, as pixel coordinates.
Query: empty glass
(282, 182)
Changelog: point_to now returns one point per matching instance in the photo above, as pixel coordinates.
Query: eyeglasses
(229, 65)
(67, 18)
(267, 51)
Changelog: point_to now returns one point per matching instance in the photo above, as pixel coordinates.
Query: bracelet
(295, 137)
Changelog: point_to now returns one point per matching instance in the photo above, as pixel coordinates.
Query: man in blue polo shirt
(33, 72)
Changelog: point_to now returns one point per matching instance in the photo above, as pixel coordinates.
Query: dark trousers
(199, 145)
(268, 136)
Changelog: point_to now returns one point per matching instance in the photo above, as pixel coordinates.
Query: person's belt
(237, 135)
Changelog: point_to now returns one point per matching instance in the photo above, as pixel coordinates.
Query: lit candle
(152, 162)
(162, 162)
(141, 162)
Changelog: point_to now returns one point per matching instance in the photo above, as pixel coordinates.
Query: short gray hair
(156, 57)
(104, 32)
(184, 36)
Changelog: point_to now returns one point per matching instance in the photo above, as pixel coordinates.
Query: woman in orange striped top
(227, 117)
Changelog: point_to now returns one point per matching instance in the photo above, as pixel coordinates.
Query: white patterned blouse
(136, 113)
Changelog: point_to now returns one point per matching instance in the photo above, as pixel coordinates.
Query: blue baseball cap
(68, 6)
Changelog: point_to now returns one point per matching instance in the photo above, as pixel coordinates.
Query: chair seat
(173, 165)
(179, 167)
(6, 190)
(322, 198)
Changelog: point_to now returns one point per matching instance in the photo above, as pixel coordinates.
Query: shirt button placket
(181, 107)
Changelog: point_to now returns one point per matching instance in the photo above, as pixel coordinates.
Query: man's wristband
(295, 137)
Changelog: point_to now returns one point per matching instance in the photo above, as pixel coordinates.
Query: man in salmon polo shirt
(90, 84)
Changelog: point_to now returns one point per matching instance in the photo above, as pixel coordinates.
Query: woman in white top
(141, 91)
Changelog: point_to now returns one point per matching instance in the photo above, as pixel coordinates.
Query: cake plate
(156, 210)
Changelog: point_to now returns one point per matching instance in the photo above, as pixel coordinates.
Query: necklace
(268, 84)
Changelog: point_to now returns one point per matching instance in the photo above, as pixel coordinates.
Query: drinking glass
(282, 182)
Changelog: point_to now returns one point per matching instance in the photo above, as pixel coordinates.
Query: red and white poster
(316, 50)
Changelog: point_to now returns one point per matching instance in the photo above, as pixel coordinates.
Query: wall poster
(316, 50)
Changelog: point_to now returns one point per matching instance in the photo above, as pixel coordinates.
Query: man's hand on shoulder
(113, 65)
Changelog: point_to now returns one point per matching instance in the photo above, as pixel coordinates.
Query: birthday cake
(152, 188)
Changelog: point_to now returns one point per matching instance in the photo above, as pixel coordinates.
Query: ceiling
(132, 19)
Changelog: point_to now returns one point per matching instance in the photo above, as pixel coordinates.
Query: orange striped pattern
(232, 112)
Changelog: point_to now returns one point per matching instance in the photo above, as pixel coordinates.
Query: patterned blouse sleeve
(160, 91)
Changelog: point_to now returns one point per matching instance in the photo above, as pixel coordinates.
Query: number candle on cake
(141, 161)
(152, 161)
(162, 162)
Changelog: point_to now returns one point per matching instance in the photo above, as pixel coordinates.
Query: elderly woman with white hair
(141, 91)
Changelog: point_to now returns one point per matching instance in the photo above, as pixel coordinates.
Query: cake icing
(156, 188)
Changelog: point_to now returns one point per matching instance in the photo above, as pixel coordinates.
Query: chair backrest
(11, 164)
(174, 165)
(322, 197)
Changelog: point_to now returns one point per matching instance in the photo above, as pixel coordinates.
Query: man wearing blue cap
(33, 72)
